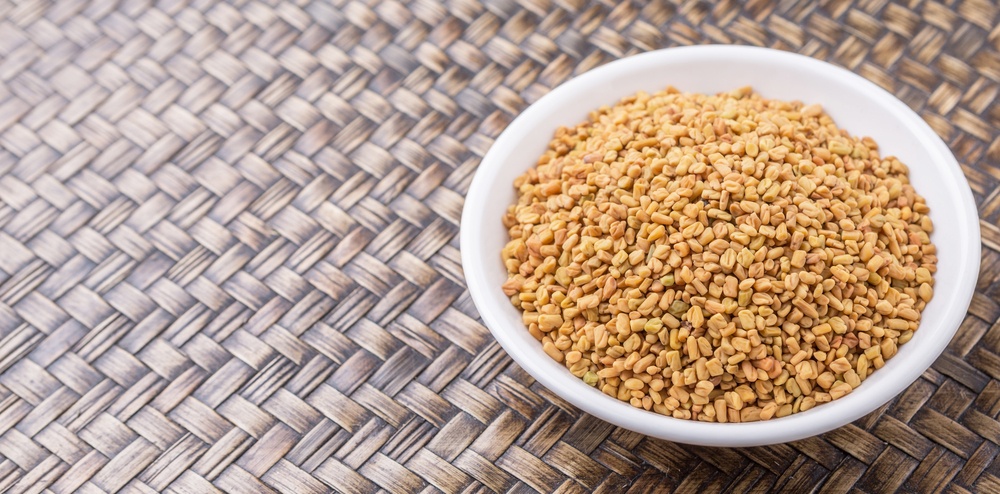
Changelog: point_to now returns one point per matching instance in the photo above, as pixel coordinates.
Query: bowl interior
(856, 105)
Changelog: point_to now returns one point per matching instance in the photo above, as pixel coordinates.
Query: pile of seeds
(720, 258)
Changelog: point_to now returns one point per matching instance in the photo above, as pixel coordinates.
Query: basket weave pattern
(229, 255)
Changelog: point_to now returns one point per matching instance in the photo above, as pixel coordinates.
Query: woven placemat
(229, 256)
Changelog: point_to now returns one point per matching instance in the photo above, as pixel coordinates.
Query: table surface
(229, 251)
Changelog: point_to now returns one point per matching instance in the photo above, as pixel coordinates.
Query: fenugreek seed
(904, 337)
(703, 388)
(840, 273)
(843, 259)
(744, 297)
(798, 259)
(588, 302)
(840, 365)
(695, 316)
(714, 307)
(636, 325)
(745, 393)
(653, 325)
(851, 377)
(840, 389)
(634, 384)
(923, 275)
(761, 299)
(825, 380)
(633, 342)
(733, 400)
(548, 322)
(897, 324)
(925, 292)
(838, 325)
(741, 344)
(552, 351)
(678, 308)
(841, 148)
(698, 287)
(714, 367)
(643, 364)
(875, 263)
(807, 403)
(888, 348)
(768, 411)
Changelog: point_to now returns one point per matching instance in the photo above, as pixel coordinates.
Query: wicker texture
(229, 255)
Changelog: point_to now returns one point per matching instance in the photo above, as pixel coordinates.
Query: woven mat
(229, 255)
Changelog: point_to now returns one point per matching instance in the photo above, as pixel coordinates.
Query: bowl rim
(790, 428)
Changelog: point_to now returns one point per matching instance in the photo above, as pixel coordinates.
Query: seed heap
(720, 258)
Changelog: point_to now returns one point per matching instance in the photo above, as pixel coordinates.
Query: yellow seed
(909, 314)
(733, 400)
(634, 384)
(745, 297)
(840, 365)
(552, 351)
(653, 325)
(638, 324)
(695, 316)
(840, 389)
(843, 259)
(798, 258)
(714, 367)
(925, 292)
(898, 324)
(548, 322)
(838, 147)
(923, 275)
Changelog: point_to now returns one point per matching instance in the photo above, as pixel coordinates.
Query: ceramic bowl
(855, 104)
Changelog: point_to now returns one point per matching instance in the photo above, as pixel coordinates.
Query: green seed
(678, 308)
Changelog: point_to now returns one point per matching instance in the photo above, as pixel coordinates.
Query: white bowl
(857, 105)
